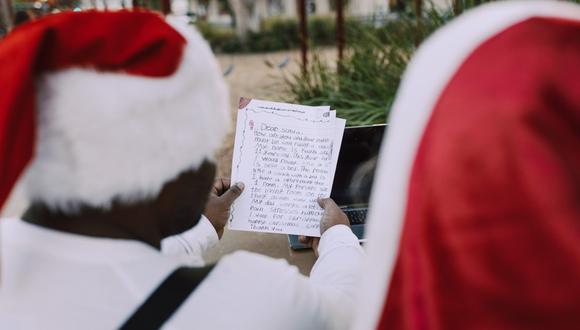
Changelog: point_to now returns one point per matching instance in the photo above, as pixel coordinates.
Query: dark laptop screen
(356, 164)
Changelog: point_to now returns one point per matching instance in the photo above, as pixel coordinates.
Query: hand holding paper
(221, 198)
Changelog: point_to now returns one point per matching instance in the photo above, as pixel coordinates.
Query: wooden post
(303, 34)
(419, 18)
(6, 12)
(418, 8)
(340, 29)
(457, 7)
(166, 7)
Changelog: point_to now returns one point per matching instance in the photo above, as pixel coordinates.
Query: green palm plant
(363, 88)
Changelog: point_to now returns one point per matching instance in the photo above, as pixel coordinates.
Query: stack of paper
(286, 156)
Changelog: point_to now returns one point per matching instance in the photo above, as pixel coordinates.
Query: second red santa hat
(474, 219)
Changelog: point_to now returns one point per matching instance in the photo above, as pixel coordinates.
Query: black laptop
(354, 176)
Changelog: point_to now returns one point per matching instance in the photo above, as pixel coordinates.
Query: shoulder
(255, 269)
(257, 292)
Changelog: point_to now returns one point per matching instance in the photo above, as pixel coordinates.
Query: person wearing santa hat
(475, 213)
(110, 121)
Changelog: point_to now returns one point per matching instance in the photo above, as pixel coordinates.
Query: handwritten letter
(286, 155)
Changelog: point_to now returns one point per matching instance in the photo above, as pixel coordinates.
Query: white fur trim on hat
(430, 70)
(104, 136)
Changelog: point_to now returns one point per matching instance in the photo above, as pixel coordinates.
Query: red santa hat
(106, 105)
(475, 213)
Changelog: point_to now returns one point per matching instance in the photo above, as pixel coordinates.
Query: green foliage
(221, 39)
(321, 30)
(275, 33)
(370, 73)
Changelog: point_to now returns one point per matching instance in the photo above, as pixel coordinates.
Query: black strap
(166, 299)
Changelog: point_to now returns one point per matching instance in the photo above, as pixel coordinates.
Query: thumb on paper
(234, 192)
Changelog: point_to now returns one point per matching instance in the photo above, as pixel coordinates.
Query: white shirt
(56, 280)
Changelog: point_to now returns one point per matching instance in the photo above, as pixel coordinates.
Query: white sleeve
(193, 242)
(336, 274)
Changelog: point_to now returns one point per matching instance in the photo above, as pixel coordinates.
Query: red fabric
(491, 238)
(138, 43)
